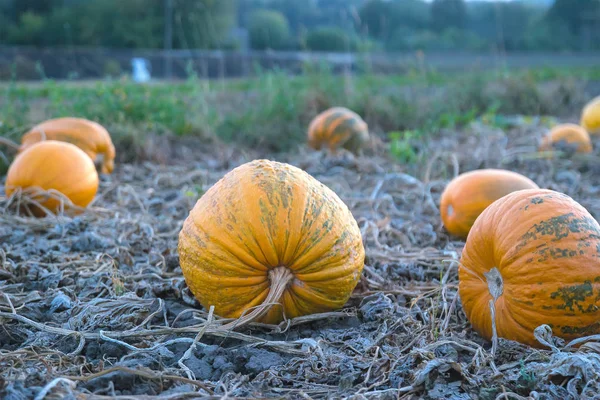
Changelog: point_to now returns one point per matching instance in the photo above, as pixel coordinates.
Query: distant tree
(16, 8)
(329, 38)
(202, 23)
(448, 14)
(268, 30)
(573, 13)
(505, 25)
(381, 19)
(116, 23)
(375, 17)
(542, 35)
(29, 30)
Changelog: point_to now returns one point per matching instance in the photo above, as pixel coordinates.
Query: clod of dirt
(261, 360)
(60, 302)
(89, 241)
(377, 306)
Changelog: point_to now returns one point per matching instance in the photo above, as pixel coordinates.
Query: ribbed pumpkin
(570, 134)
(536, 254)
(89, 136)
(467, 195)
(53, 165)
(338, 127)
(267, 233)
(590, 116)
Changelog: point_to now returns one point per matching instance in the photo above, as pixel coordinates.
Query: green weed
(272, 110)
(402, 146)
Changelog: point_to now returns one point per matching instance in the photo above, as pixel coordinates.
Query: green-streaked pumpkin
(338, 127)
(571, 134)
(536, 254)
(269, 232)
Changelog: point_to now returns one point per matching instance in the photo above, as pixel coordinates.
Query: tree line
(318, 25)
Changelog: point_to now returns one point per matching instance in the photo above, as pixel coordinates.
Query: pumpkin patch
(448, 257)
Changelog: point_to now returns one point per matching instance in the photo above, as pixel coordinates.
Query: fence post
(168, 38)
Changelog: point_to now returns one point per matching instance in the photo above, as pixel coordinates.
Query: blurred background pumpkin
(53, 176)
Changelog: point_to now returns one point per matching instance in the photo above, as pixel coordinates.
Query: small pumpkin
(338, 127)
(268, 233)
(88, 135)
(570, 134)
(467, 195)
(590, 116)
(535, 254)
(53, 166)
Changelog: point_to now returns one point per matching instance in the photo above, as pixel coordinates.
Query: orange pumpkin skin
(262, 217)
(338, 127)
(537, 253)
(55, 165)
(590, 116)
(89, 136)
(569, 133)
(467, 195)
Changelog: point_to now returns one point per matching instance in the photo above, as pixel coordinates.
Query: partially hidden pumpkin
(571, 134)
(467, 195)
(88, 135)
(590, 116)
(536, 255)
(53, 166)
(267, 241)
(338, 127)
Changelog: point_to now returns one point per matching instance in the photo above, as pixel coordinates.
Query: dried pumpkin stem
(280, 277)
(495, 283)
(9, 143)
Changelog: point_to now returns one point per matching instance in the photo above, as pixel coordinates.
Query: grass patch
(272, 110)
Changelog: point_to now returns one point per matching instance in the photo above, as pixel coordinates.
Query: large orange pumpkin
(53, 166)
(536, 254)
(89, 136)
(590, 116)
(268, 233)
(338, 127)
(571, 134)
(467, 195)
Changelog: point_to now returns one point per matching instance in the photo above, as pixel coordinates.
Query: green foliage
(402, 146)
(381, 19)
(575, 18)
(512, 25)
(203, 24)
(396, 25)
(116, 23)
(447, 14)
(329, 38)
(268, 30)
(273, 110)
(30, 29)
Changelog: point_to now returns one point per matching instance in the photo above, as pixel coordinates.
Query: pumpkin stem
(280, 277)
(9, 143)
(495, 283)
